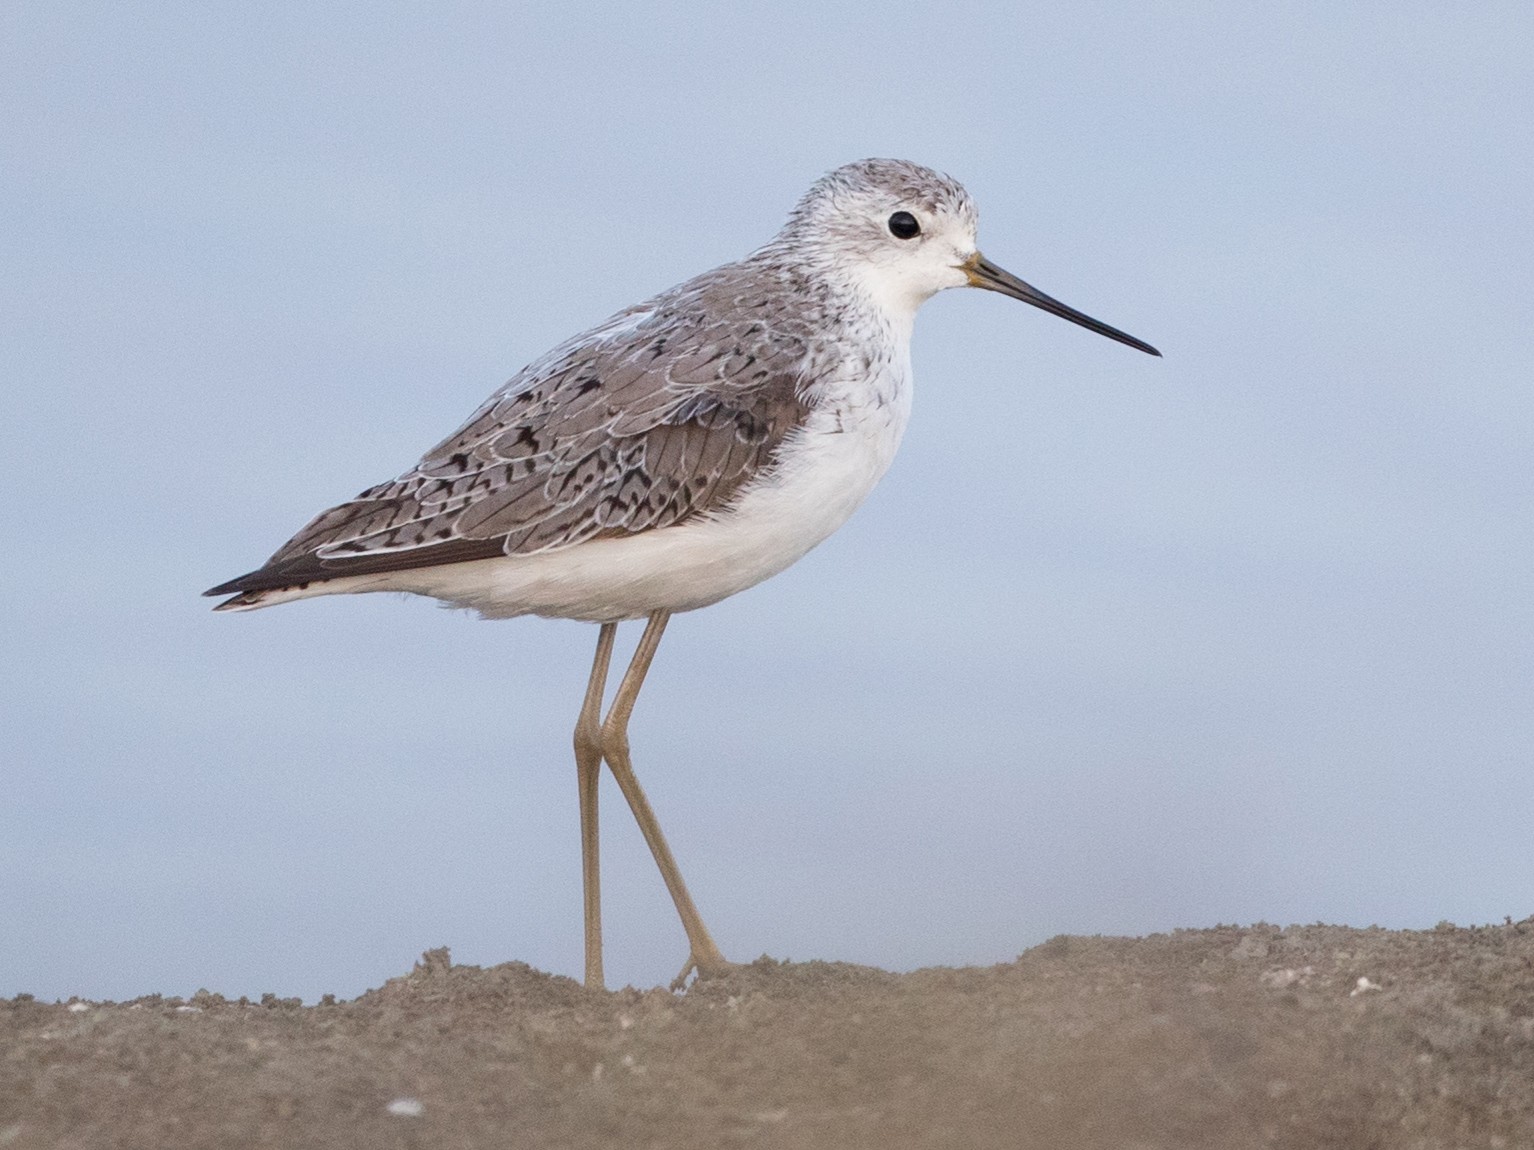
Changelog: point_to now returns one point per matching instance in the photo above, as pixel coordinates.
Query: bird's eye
(903, 226)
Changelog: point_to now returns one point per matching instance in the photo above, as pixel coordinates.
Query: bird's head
(903, 233)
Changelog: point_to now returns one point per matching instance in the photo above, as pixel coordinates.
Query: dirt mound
(1232, 1037)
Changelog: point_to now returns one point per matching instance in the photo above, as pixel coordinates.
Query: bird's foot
(711, 967)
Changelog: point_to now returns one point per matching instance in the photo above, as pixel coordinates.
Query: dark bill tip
(984, 274)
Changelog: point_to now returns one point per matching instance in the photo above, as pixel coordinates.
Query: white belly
(824, 472)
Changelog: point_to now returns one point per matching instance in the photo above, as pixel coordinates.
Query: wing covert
(660, 415)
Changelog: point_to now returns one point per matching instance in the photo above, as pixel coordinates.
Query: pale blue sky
(1120, 645)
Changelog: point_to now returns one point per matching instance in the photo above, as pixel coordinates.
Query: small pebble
(1281, 978)
(406, 1108)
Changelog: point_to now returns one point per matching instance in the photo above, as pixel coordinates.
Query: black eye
(903, 226)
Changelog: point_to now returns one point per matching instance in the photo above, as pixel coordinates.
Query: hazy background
(1120, 645)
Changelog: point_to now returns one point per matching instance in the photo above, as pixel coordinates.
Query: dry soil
(1315, 1036)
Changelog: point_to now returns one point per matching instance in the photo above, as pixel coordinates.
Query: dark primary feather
(660, 415)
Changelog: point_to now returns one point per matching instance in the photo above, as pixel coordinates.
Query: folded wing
(614, 433)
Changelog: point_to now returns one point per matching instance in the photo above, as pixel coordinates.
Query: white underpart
(824, 472)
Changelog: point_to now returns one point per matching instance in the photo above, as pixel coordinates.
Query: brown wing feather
(661, 415)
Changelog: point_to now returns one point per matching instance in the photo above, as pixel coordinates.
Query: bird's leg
(588, 767)
(705, 954)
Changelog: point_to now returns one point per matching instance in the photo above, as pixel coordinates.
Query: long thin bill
(984, 274)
